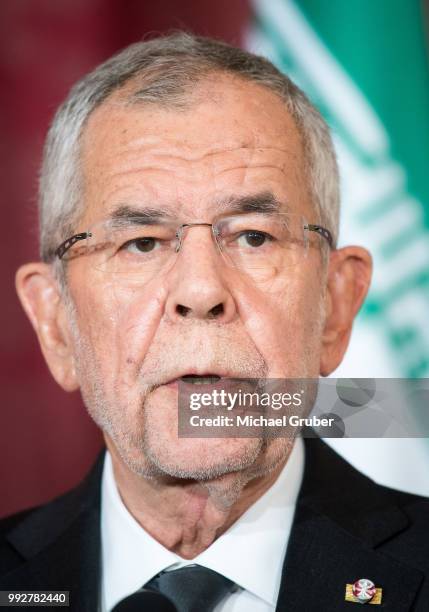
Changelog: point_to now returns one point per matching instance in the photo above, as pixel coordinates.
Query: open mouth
(207, 379)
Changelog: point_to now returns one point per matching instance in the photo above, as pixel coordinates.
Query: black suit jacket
(346, 527)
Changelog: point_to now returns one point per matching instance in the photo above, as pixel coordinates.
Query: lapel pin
(363, 591)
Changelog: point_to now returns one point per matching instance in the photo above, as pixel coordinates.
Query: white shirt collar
(250, 553)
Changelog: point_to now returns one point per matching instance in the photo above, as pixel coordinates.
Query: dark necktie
(192, 588)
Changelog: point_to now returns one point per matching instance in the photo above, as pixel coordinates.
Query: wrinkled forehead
(232, 138)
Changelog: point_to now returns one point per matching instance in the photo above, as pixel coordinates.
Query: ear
(349, 276)
(41, 299)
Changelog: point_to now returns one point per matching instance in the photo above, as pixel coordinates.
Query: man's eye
(253, 238)
(141, 245)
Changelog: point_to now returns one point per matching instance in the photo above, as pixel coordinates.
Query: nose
(197, 288)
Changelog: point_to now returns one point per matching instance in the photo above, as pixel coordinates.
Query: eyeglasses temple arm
(323, 232)
(64, 246)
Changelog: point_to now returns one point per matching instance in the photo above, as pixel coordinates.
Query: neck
(186, 516)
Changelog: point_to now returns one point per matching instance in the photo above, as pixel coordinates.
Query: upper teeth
(201, 380)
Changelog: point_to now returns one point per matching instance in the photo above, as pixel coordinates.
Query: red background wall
(47, 442)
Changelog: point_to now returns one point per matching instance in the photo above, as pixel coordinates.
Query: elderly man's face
(132, 342)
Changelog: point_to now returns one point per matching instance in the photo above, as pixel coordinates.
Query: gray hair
(166, 69)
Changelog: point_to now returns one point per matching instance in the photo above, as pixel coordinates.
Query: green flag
(364, 64)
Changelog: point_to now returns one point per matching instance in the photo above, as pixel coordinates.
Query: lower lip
(173, 384)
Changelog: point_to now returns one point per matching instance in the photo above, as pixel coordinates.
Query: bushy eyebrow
(263, 202)
(139, 215)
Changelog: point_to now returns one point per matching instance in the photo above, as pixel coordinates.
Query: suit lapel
(60, 544)
(322, 558)
(341, 521)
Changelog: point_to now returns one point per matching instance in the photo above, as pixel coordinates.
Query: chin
(202, 459)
